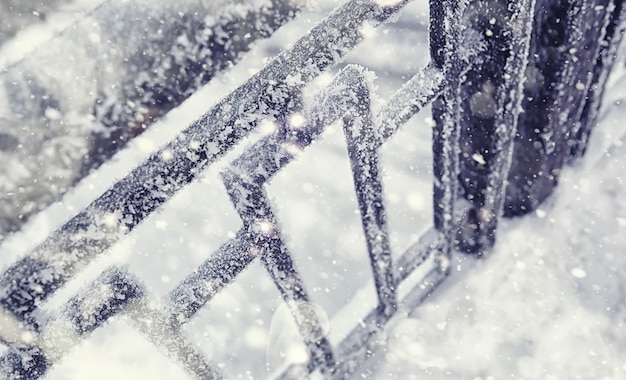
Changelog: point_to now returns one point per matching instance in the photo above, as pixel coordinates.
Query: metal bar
(363, 340)
(613, 36)
(154, 321)
(107, 296)
(509, 95)
(444, 47)
(136, 196)
(560, 98)
(130, 63)
(244, 183)
(221, 268)
(363, 149)
(477, 116)
(114, 292)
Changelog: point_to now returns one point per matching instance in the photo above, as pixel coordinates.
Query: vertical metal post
(477, 114)
(444, 39)
(572, 52)
(609, 43)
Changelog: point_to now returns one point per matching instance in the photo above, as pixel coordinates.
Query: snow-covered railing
(66, 109)
(572, 50)
(458, 50)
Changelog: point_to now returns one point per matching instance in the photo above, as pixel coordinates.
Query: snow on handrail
(259, 238)
(67, 108)
(268, 94)
(347, 98)
(66, 251)
(121, 208)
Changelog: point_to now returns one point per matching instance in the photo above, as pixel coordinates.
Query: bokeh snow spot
(578, 273)
(297, 120)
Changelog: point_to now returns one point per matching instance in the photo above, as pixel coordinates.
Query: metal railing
(458, 51)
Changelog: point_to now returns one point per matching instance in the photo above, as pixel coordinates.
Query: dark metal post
(477, 115)
(572, 52)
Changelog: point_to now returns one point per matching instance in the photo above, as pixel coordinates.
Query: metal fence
(476, 83)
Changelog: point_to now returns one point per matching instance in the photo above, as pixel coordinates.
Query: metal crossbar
(41, 341)
(125, 75)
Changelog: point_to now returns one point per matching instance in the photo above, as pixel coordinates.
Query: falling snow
(548, 302)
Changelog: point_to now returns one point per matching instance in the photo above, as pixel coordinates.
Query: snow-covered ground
(548, 303)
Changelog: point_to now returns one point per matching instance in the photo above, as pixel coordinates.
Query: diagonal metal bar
(107, 296)
(363, 142)
(114, 292)
(229, 260)
(221, 268)
(153, 320)
(365, 138)
(129, 63)
(344, 97)
(33, 278)
(364, 339)
(244, 182)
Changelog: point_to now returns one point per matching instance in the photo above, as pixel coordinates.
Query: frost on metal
(477, 115)
(114, 292)
(569, 63)
(445, 42)
(71, 104)
(269, 94)
(346, 99)
(607, 54)
(479, 56)
(518, 110)
(179, 162)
